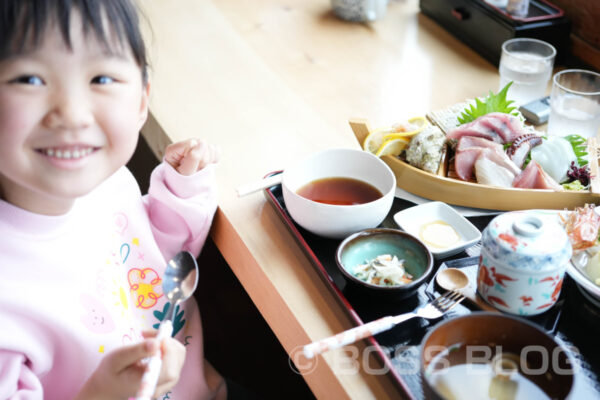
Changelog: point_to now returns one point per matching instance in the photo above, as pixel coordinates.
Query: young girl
(81, 251)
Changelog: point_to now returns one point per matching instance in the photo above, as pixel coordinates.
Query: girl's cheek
(123, 123)
(122, 138)
(12, 125)
(16, 117)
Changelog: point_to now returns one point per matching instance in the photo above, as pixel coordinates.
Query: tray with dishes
(482, 154)
(565, 326)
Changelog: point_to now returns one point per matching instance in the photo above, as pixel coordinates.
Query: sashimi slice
(555, 155)
(488, 172)
(468, 149)
(464, 161)
(500, 158)
(534, 177)
(506, 126)
(475, 128)
(498, 127)
(473, 141)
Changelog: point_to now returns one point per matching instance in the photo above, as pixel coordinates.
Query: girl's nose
(69, 112)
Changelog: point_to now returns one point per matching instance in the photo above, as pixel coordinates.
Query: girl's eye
(29, 80)
(102, 80)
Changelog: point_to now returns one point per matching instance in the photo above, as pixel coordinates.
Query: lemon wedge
(375, 140)
(392, 147)
(392, 140)
(407, 129)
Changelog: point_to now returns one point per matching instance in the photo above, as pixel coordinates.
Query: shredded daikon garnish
(383, 270)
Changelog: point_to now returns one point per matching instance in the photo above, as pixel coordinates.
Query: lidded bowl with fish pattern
(523, 260)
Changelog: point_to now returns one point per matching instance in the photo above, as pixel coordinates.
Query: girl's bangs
(114, 24)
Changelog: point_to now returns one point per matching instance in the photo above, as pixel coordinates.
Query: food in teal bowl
(387, 262)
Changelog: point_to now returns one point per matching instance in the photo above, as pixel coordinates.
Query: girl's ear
(143, 115)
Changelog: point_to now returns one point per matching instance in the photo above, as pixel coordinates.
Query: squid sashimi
(555, 156)
(498, 127)
(534, 177)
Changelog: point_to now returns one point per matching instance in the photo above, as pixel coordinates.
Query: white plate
(576, 270)
(412, 219)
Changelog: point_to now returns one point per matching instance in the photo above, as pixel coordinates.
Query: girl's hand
(120, 372)
(173, 356)
(191, 155)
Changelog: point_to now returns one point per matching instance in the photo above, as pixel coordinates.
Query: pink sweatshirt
(76, 286)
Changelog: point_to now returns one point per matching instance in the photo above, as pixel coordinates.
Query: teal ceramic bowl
(366, 245)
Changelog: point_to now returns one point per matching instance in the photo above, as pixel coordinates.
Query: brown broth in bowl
(339, 191)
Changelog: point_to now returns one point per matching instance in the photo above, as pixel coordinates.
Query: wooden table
(271, 82)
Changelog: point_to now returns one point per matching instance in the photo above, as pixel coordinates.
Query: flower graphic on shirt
(96, 318)
(178, 321)
(145, 286)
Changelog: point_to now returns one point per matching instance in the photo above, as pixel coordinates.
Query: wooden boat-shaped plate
(469, 194)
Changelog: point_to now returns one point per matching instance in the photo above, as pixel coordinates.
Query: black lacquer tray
(573, 321)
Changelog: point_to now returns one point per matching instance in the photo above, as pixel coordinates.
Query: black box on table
(485, 27)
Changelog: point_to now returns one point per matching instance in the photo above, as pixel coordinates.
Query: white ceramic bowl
(585, 283)
(414, 218)
(338, 221)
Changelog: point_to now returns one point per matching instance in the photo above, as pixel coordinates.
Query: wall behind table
(585, 31)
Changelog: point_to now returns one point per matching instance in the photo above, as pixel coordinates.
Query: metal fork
(431, 310)
(474, 250)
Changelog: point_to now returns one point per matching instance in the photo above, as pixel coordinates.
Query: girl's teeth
(67, 154)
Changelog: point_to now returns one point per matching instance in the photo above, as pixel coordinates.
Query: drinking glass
(528, 64)
(575, 103)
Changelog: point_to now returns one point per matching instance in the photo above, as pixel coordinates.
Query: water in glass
(574, 115)
(529, 73)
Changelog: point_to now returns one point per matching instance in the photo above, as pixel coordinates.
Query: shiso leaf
(492, 103)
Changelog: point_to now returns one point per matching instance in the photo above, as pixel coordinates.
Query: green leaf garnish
(492, 103)
(579, 145)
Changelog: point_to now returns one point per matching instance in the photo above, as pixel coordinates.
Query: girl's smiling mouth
(68, 157)
(67, 152)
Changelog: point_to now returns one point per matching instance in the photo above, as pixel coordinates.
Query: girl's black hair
(23, 23)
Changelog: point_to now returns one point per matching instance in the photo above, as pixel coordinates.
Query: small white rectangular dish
(441, 228)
